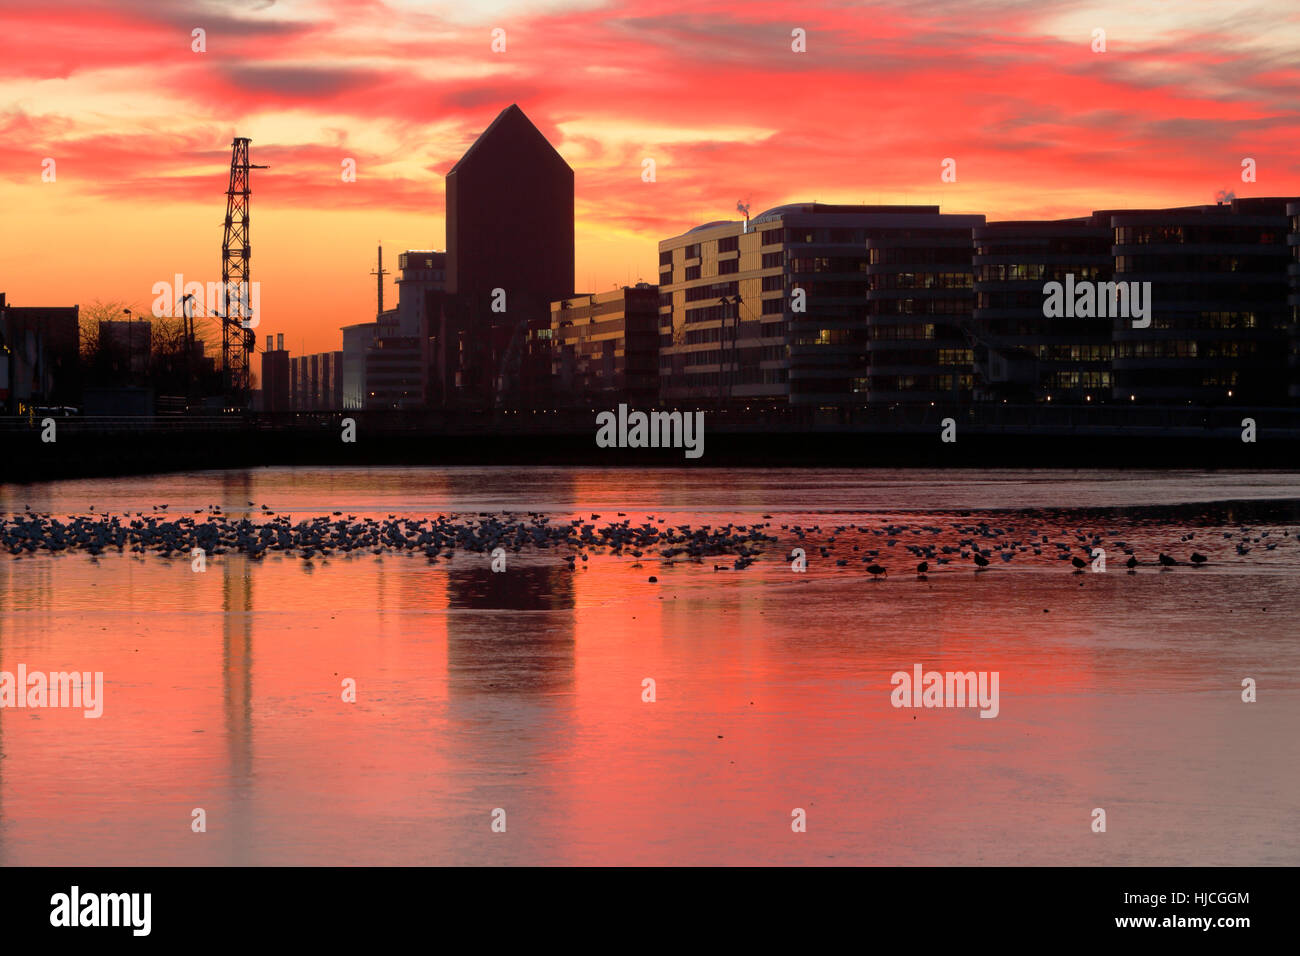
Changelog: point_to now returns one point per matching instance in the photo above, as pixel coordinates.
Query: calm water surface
(523, 690)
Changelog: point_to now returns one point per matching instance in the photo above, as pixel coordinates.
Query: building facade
(129, 342)
(357, 340)
(39, 356)
(920, 299)
(1220, 325)
(509, 256)
(316, 382)
(275, 376)
(419, 271)
(1019, 354)
(818, 305)
(394, 373)
(605, 347)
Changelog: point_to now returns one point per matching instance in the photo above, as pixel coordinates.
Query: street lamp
(187, 325)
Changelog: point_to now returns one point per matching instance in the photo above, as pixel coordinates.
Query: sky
(1039, 124)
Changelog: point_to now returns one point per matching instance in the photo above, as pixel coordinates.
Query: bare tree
(103, 360)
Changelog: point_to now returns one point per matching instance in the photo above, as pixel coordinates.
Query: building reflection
(510, 632)
(237, 671)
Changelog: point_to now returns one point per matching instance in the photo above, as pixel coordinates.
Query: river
(520, 697)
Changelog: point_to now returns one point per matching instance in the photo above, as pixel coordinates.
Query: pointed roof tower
(510, 215)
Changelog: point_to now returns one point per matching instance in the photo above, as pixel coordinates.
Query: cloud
(1038, 123)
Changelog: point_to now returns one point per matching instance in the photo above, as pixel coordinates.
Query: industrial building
(389, 363)
(316, 382)
(275, 392)
(39, 356)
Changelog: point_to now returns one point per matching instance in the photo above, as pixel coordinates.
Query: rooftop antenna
(379, 274)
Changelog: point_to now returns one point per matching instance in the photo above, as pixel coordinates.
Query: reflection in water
(6, 589)
(508, 641)
(237, 668)
(518, 652)
(521, 587)
(523, 690)
(24, 582)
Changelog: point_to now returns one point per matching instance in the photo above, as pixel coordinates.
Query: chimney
(279, 341)
(268, 343)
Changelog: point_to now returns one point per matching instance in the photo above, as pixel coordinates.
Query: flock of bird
(980, 543)
(214, 532)
(976, 544)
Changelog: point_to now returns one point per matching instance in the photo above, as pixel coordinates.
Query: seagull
(1167, 561)
(1198, 559)
(874, 570)
(981, 561)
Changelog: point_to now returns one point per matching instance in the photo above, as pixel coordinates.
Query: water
(523, 690)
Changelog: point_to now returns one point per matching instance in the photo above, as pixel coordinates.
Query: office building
(813, 304)
(605, 347)
(1220, 325)
(920, 298)
(509, 256)
(1019, 354)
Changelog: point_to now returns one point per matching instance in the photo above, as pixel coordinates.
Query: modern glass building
(920, 299)
(1219, 329)
(783, 309)
(1021, 355)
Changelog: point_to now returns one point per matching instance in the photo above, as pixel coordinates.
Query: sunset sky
(140, 126)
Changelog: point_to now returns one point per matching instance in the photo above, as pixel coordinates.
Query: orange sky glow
(139, 125)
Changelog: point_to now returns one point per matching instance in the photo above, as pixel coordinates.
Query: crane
(237, 319)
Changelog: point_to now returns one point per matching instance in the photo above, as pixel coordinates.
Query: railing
(990, 418)
(75, 424)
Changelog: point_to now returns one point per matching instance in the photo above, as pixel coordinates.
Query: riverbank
(85, 448)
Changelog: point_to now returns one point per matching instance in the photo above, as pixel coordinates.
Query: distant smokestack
(742, 206)
(279, 341)
(1225, 195)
